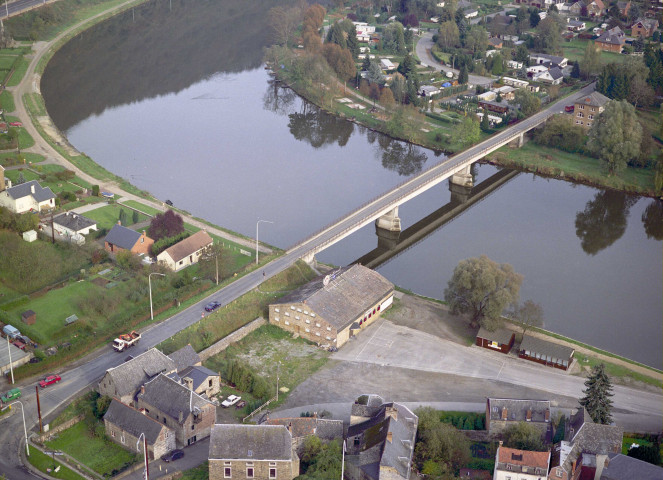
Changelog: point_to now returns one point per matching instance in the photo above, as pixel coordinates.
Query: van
(11, 332)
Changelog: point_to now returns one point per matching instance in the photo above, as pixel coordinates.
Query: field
(575, 50)
(44, 463)
(108, 216)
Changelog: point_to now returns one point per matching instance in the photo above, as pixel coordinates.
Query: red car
(50, 380)
(15, 124)
(569, 108)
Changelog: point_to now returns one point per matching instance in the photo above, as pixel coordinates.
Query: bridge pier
(519, 141)
(459, 193)
(390, 221)
(463, 178)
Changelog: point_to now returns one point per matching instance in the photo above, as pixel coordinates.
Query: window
(373, 311)
(249, 472)
(329, 329)
(193, 426)
(292, 307)
(287, 322)
(580, 115)
(209, 383)
(558, 472)
(276, 319)
(113, 433)
(317, 325)
(581, 107)
(590, 116)
(313, 314)
(299, 310)
(272, 473)
(164, 420)
(122, 439)
(307, 320)
(287, 314)
(227, 472)
(277, 310)
(297, 318)
(305, 312)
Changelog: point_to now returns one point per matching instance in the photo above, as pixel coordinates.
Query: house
(624, 7)
(514, 82)
(186, 252)
(471, 12)
(302, 427)
(644, 27)
(27, 196)
(387, 64)
(553, 76)
(546, 353)
(576, 8)
(185, 357)
(380, 444)
(521, 464)
(364, 27)
(260, 452)
(69, 224)
(202, 380)
(492, 119)
(124, 381)
(595, 8)
(10, 351)
(548, 60)
(536, 70)
(587, 109)
(124, 425)
(500, 108)
(122, 238)
(501, 339)
(514, 64)
(611, 40)
(428, 90)
(501, 413)
(507, 92)
(575, 25)
(188, 414)
(622, 467)
(488, 96)
(329, 309)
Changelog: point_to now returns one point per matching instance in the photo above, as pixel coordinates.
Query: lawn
(201, 472)
(7, 101)
(7, 159)
(108, 216)
(100, 454)
(20, 68)
(142, 207)
(619, 373)
(575, 50)
(44, 462)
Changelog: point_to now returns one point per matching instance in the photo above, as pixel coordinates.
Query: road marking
(369, 341)
(498, 373)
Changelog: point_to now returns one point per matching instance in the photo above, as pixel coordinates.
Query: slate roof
(622, 467)
(554, 350)
(129, 376)
(133, 422)
(594, 99)
(189, 246)
(350, 291)
(171, 397)
(555, 73)
(323, 428)
(500, 335)
(612, 37)
(123, 237)
(199, 375)
(250, 442)
(648, 23)
(184, 357)
(522, 458)
(494, 41)
(599, 439)
(517, 409)
(74, 221)
(25, 189)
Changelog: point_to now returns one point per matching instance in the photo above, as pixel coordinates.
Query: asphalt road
(19, 6)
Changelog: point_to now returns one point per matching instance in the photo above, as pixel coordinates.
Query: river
(176, 100)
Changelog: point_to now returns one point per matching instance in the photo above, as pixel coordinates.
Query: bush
(161, 245)
(95, 190)
(464, 420)
(246, 380)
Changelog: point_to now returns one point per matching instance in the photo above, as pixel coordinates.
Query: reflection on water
(652, 219)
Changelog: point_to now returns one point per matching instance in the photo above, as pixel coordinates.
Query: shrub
(95, 190)
(161, 245)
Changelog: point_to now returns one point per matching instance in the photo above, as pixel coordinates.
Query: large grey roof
(73, 221)
(500, 335)
(16, 353)
(594, 99)
(622, 467)
(554, 350)
(551, 58)
(123, 237)
(199, 375)
(326, 429)
(350, 291)
(516, 409)
(129, 376)
(24, 189)
(556, 73)
(250, 442)
(132, 421)
(185, 357)
(599, 439)
(611, 38)
(171, 397)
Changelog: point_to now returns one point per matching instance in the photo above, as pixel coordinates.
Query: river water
(175, 99)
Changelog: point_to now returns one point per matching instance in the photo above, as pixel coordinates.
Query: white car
(230, 401)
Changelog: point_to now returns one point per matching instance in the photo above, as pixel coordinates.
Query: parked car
(210, 307)
(19, 344)
(172, 456)
(50, 380)
(230, 401)
(15, 124)
(569, 108)
(12, 394)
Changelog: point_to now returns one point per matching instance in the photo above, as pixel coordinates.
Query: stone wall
(47, 436)
(233, 337)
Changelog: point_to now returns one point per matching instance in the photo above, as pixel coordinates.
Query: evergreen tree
(407, 66)
(485, 123)
(134, 217)
(366, 64)
(534, 19)
(575, 71)
(462, 75)
(123, 217)
(597, 395)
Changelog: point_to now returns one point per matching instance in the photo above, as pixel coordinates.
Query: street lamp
(146, 474)
(149, 281)
(25, 430)
(257, 225)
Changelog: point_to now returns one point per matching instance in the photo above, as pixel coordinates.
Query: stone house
(188, 414)
(185, 357)
(187, 252)
(27, 196)
(511, 463)
(501, 413)
(125, 424)
(201, 380)
(122, 238)
(302, 427)
(587, 109)
(644, 27)
(380, 442)
(124, 381)
(259, 452)
(330, 309)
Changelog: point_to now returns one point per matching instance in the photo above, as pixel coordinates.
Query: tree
(471, 131)
(123, 217)
(485, 123)
(529, 103)
(640, 93)
(375, 74)
(283, 22)
(482, 288)
(524, 436)
(647, 453)
(135, 217)
(522, 54)
(386, 96)
(597, 395)
(448, 35)
(575, 71)
(20, 179)
(340, 60)
(529, 314)
(550, 33)
(407, 66)
(398, 87)
(498, 65)
(164, 225)
(439, 442)
(616, 135)
(463, 76)
(393, 37)
(591, 60)
(534, 19)
(214, 256)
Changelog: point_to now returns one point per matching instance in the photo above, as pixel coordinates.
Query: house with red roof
(511, 463)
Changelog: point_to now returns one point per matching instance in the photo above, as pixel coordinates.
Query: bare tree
(529, 314)
(283, 22)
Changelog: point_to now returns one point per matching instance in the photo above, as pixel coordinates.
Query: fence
(257, 410)
(233, 337)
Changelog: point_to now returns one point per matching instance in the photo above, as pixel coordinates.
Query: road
(19, 6)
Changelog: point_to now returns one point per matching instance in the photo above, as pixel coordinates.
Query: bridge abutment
(310, 260)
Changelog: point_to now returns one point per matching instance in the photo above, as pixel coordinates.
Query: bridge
(383, 210)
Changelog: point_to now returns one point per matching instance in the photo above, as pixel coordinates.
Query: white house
(487, 96)
(364, 27)
(387, 64)
(514, 82)
(69, 224)
(491, 118)
(187, 252)
(553, 76)
(27, 196)
(428, 90)
(514, 64)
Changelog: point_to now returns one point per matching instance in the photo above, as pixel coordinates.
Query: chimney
(290, 427)
(504, 413)
(181, 417)
(144, 234)
(390, 436)
(547, 417)
(32, 188)
(188, 382)
(529, 415)
(142, 389)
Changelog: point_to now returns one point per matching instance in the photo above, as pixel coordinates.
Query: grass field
(100, 454)
(108, 216)
(616, 371)
(20, 68)
(44, 463)
(7, 101)
(575, 50)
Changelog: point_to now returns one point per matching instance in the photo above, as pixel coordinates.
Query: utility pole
(52, 229)
(41, 427)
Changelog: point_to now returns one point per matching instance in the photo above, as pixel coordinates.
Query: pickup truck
(230, 401)
(126, 340)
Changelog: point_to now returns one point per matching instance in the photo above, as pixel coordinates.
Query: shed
(501, 339)
(546, 353)
(70, 319)
(29, 317)
(30, 236)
